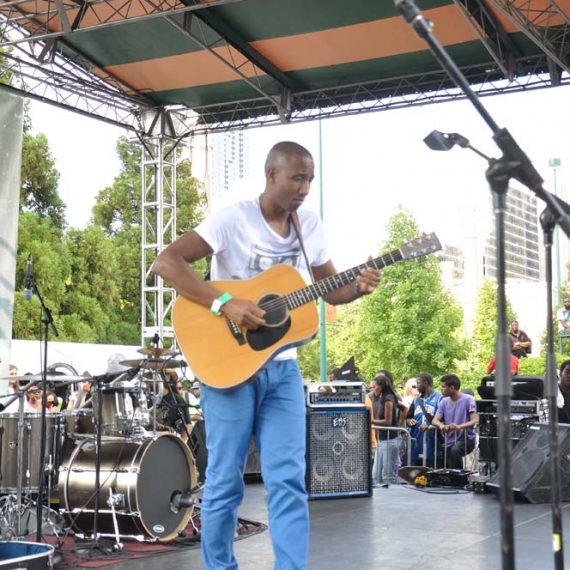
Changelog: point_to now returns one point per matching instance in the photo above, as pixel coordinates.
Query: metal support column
(158, 226)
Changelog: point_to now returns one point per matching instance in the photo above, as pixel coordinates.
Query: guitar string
(350, 275)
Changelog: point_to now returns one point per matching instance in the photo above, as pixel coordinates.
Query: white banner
(11, 125)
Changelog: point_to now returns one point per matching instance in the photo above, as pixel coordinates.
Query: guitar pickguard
(278, 323)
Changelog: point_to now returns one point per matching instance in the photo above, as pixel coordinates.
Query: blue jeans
(385, 460)
(272, 408)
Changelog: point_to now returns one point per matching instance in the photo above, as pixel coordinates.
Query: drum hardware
(155, 363)
(157, 352)
(116, 500)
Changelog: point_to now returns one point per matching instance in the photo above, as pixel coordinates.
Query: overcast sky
(371, 163)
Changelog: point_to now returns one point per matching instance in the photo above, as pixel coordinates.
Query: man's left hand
(368, 279)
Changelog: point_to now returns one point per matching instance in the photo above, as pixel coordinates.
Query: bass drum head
(166, 467)
(145, 473)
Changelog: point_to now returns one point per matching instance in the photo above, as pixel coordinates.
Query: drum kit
(106, 465)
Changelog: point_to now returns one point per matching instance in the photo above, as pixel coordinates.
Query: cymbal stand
(96, 545)
(178, 408)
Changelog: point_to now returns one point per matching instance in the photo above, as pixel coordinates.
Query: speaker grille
(531, 465)
(338, 453)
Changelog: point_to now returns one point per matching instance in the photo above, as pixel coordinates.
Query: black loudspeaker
(338, 453)
(531, 465)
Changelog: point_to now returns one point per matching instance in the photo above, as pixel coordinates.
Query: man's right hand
(244, 312)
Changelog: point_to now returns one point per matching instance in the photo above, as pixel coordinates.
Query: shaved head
(282, 152)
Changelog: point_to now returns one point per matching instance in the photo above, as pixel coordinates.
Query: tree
(485, 325)
(38, 236)
(118, 212)
(410, 324)
(39, 180)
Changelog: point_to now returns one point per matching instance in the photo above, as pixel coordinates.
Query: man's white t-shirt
(244, 244)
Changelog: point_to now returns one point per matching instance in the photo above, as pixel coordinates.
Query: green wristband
(218, 303)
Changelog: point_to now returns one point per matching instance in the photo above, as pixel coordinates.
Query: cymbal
(156, 352)
(52, 378)
(154, 363)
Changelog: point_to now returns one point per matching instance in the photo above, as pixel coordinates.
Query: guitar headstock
(424, 245)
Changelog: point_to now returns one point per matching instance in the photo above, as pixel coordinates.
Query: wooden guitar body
(209, 343)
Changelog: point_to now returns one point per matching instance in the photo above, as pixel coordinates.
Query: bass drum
(142, 475)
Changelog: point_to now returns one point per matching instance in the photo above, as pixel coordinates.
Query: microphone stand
(47, 321)
(551, 388)
(513, 163)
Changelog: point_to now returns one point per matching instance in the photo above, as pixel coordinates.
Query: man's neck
(455, 396)
(275, 216)
(271, 211)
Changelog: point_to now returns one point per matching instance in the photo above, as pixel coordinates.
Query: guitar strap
(297, 226)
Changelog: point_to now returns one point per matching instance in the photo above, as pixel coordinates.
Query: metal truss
(70, 82)
(51, 19)
(412, 90)
(545, 23)
(491, 33)
(158, 167)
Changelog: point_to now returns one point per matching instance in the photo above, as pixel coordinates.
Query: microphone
(185, 500)
(29, 279)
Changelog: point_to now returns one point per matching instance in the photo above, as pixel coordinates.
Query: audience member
(419, 419)
(13, 387)
(563, 400)
(521, 343)
(33, 400)
(192, 397)
(456, 417)
(79, 398)
(410, 391)
(563, 316)
(384, 405)
(514, 361)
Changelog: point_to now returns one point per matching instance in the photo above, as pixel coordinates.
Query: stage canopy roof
(238, 63)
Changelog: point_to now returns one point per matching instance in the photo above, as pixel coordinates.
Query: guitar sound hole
(278, 323)
(275, 309)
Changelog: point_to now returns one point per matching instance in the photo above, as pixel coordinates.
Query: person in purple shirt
(456, 416)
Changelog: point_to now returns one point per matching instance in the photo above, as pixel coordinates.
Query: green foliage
(119, 206)
(342, 342)
(485, 330)
(90, 278)
(309, 358)
(410, 324)
(38, 192)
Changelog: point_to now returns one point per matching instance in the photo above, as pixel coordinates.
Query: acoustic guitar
(223, 355)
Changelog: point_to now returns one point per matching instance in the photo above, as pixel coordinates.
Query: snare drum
(31, 449)
(121, 409)
(142, 475)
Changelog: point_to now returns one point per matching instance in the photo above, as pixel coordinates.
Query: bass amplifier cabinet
(338, 453)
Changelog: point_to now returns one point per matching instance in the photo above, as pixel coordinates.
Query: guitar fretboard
(329, 284)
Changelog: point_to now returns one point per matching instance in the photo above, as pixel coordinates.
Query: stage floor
(398, 528)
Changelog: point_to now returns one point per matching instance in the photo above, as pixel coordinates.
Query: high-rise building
(228, 161)
(522, 244)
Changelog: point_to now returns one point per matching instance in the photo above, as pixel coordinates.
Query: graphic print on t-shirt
(261, 259)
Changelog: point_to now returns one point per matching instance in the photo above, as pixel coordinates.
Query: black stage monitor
(524, 388)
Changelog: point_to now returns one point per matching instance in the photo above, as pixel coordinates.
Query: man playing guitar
(245, 239)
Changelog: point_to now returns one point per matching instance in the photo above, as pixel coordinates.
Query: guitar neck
(329, 284)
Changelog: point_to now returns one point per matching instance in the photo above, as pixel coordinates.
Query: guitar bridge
(236, 331)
